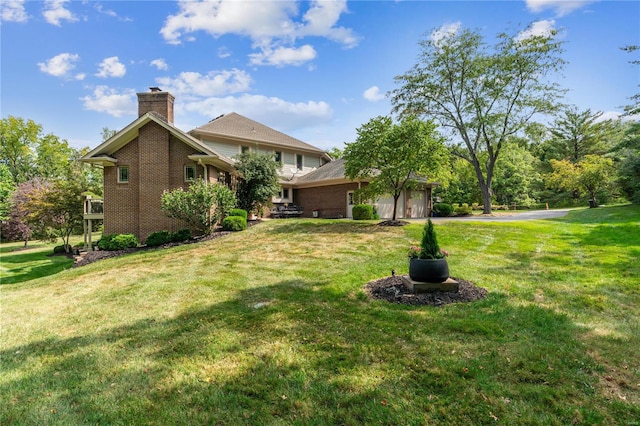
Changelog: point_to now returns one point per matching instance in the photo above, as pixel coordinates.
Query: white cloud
(160, 64)
(223, 52)
(214, 83)
(545, 28)
(282, 56)
(13, 11)
(105, 99)
(273, 26)
(111, 67)
(321, 19)
(272, 111)
(60, 65)
(561, 7)
(445, 31)
(79, 76)
(372, 94)
(55, 12)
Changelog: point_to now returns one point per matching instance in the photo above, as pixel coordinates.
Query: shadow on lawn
(292, 352)
(29, 266)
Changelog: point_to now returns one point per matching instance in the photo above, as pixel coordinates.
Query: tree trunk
(486, 198)
(395, 205)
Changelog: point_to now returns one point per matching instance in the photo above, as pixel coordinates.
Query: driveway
(510, 217)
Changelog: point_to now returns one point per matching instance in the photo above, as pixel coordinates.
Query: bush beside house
(362, 212)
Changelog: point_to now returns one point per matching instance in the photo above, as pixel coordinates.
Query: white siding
(226, 149)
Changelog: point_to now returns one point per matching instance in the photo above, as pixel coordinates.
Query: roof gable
(126, 135)
(237, 127)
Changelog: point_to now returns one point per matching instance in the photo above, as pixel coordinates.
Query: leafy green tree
(7, 186)
(53, 157)
(628, 152)
(335, 153)
(591, 175)
(393, 156)
(481, 95)
(18, 139)
(460, 184)
(201, 206)
(516, 176)
(107, 133)
(259, 181)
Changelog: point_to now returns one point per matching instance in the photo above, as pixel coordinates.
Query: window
(123, 174)
(283, 194)
(278, 157)
(244, 149)
(189, 173)
(299, 161)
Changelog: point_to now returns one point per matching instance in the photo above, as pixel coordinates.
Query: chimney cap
(155, 89)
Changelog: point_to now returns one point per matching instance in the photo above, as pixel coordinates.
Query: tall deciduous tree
(7, 186)
(481, 95)
(18, 139)
(259, 182)
(591, 175)
(394, 155)
(516, 176)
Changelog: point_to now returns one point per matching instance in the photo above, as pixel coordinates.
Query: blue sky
(314, 70)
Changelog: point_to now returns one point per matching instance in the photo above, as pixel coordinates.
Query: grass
(271, 326)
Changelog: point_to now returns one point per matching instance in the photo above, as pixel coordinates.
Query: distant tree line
(488, 102)
(42, 183)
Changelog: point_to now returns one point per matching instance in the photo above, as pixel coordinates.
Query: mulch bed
(393, 223)
(393, 290)
(93, 256)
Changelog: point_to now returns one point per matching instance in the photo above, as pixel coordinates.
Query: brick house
(151, 155)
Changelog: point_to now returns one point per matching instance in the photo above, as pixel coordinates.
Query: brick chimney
(158, 101)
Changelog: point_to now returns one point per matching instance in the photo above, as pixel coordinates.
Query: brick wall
(156, 162)
(331, 201)
(121, 209)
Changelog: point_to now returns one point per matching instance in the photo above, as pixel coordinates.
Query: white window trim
(119, 175)
(278, 199)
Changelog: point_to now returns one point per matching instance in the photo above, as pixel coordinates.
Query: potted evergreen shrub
(428, 263)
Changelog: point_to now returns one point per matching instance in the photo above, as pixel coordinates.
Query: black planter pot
(428, 270)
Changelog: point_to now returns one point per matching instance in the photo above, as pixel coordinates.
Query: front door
(350, 203)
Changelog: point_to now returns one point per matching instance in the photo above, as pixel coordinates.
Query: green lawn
(271, 326)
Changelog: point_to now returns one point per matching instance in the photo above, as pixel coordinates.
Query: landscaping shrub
(156, 239)
(443, 209)
(59, 249)
(362, 212)
(462, 210)
(239, 213)
(234, 223)
(183, 234)
(112, 242)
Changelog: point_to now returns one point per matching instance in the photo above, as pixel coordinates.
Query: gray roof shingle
(235, 125)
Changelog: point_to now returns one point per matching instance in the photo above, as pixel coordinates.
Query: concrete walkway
(509, 217)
